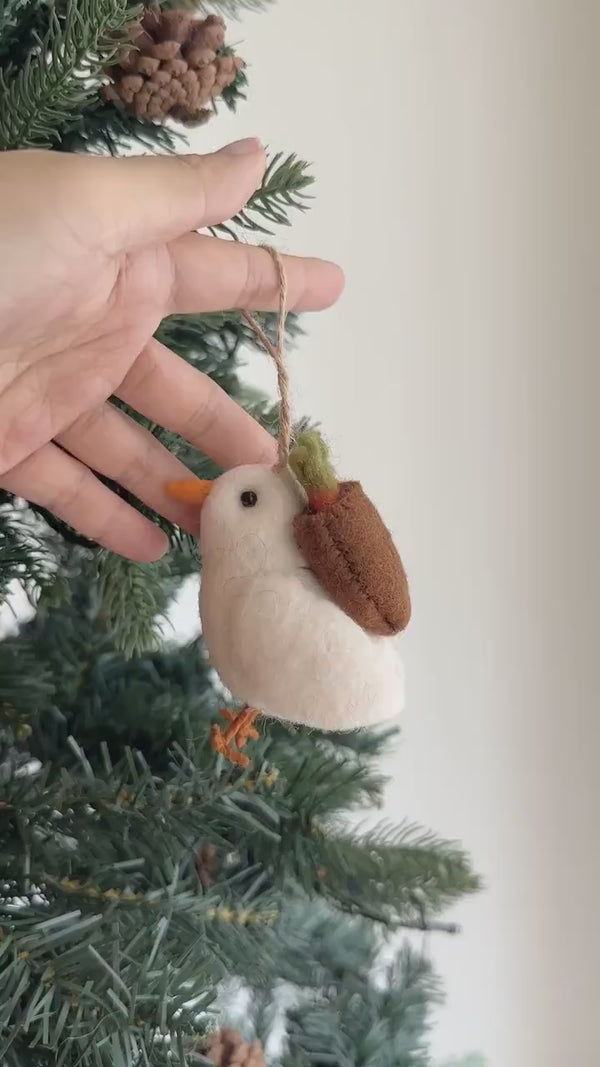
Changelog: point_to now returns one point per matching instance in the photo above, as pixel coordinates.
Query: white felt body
(273, 635)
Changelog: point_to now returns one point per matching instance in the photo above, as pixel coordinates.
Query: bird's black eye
(249, 498)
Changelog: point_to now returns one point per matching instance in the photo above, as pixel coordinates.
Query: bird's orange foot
(239, 731)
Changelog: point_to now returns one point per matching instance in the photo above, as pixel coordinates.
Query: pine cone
(172, 68)
(227, 1048)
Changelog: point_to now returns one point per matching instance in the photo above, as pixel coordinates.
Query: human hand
(94, 253)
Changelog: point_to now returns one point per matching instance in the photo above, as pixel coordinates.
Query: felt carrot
(310, 463)
(345, 543)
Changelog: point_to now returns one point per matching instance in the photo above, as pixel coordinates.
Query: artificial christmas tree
(143, 880)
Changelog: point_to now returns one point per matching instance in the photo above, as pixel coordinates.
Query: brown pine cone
(200, 56)
(170, 68)
(175, 66)
(225, 65)
(177, 95)
(207, 78)
(227, 1048)
(161, 77)
(147, 65)
(152, 17)
(174, 26)
(191, 117)
(141, 39)
(129, 86)
(209, 33)
(166, 50)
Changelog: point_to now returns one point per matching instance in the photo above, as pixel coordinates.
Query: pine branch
(370, 744)
(25, 683)
(132, 599)
(213, 340)
(24, 554)
(232, 94)
(355, 1020)
(174, 944)
(283, 188)
(430, 926)
(101, 125)
(22, 24)
(126, 887)
(399, 876)
(60, 76)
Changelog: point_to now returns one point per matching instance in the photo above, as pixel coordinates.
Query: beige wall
(456, 148)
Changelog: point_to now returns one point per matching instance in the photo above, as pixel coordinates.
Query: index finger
(167, 390)
(211, 274)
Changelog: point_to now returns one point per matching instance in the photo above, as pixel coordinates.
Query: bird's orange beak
(189, 491)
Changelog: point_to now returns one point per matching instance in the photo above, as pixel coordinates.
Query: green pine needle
(101, 125)
(234, 93)
(22, 24)
(282, 190)
(26, 556)
(399, 874)
(60, 75)
(132, 599)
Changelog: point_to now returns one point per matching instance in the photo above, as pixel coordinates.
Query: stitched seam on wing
(355, 577)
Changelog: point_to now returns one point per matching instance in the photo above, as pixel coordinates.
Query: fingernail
(242, 148)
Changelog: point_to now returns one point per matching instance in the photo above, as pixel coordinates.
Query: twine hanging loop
(277, 353)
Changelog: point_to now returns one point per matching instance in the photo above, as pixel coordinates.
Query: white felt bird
(279, 641)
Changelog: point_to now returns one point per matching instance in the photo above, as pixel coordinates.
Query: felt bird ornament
(302, 594)
(302, 589)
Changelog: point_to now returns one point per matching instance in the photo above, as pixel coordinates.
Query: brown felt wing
(352, 554)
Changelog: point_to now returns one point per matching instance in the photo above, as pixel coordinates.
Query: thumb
(142, 200)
